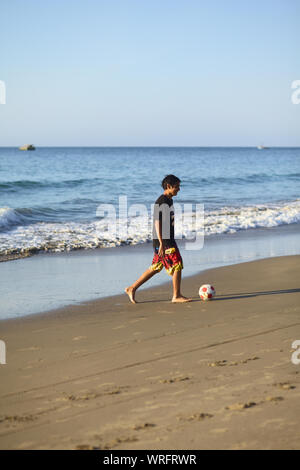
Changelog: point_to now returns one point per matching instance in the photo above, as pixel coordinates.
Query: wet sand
(108, 374)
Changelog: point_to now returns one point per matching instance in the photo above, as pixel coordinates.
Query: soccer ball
(207, 292)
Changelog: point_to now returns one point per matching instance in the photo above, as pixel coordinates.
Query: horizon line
(154, 146)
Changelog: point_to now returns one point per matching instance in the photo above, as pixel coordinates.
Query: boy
(166, 252)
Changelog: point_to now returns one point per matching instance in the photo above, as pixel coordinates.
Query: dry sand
(204, 375)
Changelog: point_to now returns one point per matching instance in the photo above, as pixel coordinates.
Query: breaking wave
(19, 233)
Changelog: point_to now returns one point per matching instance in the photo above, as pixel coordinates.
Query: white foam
(230, 220)
(71, 235)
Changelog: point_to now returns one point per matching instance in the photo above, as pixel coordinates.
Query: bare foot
(131, 293)
(181, 299)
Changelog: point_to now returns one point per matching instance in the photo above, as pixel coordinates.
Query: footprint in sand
(284, 385)
(92, 395)
(17, 419)
(240, 406)
(251, 404)
(276, 399)
(218, 363)
(108, 445)
(196, 417)
(174, 379)
(139, 427)
(224, 362)
(244, 361)
(87, 447)
(118, 441)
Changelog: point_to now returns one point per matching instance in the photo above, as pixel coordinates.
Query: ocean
(50, 197)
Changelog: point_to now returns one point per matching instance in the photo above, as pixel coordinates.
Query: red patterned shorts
(171, 260)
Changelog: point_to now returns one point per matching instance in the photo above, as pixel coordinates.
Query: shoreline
(116, 298)
(34, 252)
(108, 374)
(52, 280)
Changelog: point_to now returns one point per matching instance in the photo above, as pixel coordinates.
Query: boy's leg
(143, 278)
(177, 296)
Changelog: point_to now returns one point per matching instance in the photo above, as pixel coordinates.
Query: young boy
(166, 252)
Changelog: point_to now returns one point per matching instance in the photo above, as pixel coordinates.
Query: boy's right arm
(159, 236)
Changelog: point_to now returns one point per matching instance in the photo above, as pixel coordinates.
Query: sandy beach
(108, 374)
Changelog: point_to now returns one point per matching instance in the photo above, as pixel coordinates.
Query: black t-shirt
(164, 212)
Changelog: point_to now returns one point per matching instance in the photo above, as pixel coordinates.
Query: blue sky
(141, 72)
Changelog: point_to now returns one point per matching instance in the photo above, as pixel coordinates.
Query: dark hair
(171, 180)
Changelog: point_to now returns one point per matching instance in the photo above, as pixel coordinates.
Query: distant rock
(27, 147)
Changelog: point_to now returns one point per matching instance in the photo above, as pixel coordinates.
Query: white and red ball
(207, 292)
